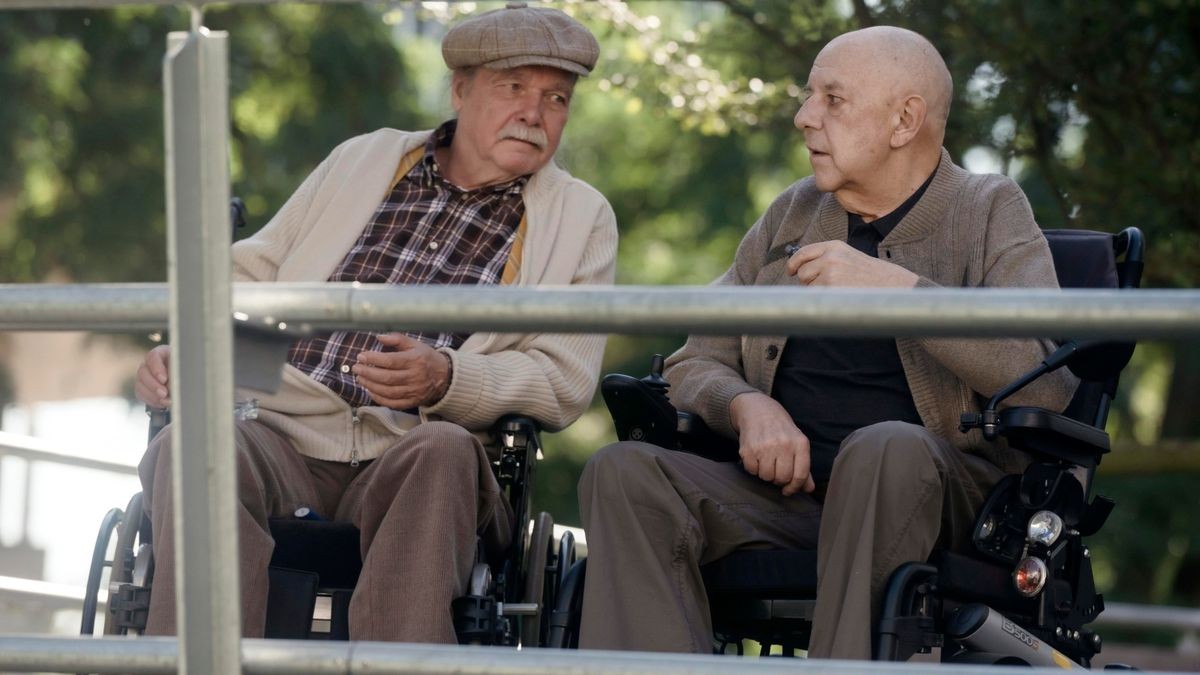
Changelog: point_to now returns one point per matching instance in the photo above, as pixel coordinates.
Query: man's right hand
(771, 447)
(151, 387)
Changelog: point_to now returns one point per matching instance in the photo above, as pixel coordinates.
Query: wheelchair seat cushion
(763, 572)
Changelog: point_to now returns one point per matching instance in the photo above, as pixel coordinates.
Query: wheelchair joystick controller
(655, 379)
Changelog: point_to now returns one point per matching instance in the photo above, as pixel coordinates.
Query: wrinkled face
(512, 120)
(845, 118)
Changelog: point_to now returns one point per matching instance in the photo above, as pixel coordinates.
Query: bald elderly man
(847, 445)
(385, 431)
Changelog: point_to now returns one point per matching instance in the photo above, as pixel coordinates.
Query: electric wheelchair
(315, 564)
(1025, 596)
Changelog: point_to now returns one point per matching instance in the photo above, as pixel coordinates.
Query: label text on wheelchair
(1020, 634)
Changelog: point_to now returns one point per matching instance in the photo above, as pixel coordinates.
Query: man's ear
(908, 120)
(459, 84)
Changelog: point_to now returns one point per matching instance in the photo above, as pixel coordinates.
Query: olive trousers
(654, 516)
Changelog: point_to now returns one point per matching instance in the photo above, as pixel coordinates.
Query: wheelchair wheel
(562, 562)
(540, 549)
(131, 559)
(91, 597)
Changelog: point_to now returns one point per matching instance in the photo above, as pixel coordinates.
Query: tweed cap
(519, 35)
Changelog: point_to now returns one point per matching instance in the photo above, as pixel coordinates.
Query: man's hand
(771, 446)
(408, 375)
(151, 386)
(836, 263)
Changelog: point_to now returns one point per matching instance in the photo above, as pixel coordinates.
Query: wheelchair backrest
(1088, 259)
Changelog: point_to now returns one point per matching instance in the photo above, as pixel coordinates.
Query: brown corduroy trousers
(418, 506)
(654, 516)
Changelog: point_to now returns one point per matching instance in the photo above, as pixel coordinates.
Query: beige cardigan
(571, 239)
(966, 230)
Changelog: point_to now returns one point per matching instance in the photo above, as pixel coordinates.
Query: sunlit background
(686, 126)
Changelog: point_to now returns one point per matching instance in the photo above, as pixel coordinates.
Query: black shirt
(833, 386)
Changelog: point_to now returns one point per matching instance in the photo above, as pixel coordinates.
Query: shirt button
(345, 368)
(772, 352)
(433, 245)
(464, 196)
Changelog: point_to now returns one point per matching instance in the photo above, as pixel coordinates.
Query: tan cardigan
(966, 230)
(571, 239)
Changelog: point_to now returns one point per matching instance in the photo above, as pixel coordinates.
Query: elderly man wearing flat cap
(384, 430)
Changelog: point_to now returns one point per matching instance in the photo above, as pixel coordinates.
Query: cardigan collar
(919, 223)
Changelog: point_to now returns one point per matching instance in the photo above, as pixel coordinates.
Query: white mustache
(528, 134)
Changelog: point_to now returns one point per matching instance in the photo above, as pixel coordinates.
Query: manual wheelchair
(1024, 596)
(315, 565)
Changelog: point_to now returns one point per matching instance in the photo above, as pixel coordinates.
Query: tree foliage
(1090, 105)
(82, 191)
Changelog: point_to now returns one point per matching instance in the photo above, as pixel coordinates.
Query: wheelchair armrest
(520, 448)
(526, 428)
(1052, 435)
(642, 412)
(697, 438)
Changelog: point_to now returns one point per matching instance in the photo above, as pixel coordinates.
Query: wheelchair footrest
(476, 620)
(129, 607)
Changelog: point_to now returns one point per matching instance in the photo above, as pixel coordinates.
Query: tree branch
(771, 33)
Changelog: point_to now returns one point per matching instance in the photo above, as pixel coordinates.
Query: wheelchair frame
(504, 607)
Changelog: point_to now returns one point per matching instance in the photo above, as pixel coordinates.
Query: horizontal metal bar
(57, 596)
(35, 450)
(710, 310)
(292, 657)
(1149, 616)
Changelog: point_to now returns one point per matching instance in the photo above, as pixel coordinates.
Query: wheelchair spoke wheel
(540, 544)
(125, 555)
(91, 597)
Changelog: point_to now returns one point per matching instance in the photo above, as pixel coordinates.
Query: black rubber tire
(540, 544)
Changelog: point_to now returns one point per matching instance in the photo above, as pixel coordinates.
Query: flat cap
(518, 35)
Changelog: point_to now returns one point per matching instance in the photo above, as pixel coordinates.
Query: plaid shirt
(426, 231)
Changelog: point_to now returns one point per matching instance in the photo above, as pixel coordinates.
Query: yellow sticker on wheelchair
(1062, 661)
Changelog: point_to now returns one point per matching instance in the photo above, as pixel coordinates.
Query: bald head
(902, 63)
(875, 117)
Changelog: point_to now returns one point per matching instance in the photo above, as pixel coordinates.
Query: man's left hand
(836, 263)
(409, 375)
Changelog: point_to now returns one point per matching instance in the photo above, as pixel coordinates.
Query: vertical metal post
(196, 77)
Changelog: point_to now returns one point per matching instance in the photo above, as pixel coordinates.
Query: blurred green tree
(81, 194)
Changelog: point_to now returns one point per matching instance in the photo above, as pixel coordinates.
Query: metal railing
(289, 657)
(199, 302)
(958, 312)
(35, 450)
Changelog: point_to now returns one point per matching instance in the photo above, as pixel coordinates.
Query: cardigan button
(772, 352)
